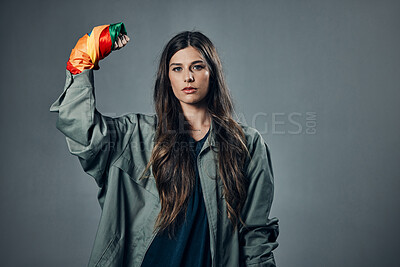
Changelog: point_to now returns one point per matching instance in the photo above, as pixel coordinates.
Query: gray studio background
(319, 79)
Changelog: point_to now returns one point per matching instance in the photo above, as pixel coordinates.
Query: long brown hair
(171, 160)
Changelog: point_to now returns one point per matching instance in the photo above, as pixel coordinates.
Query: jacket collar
(211, 139)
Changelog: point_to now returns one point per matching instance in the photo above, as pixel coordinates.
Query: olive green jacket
(114, 151)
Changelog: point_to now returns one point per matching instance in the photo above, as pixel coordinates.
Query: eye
(198, 67)
(177, 69)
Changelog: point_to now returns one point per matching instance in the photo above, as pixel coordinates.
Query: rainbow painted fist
(95, 46)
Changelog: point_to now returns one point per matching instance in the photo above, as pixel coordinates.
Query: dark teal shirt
(191, 245)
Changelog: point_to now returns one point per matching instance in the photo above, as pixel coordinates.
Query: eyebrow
(180, 64)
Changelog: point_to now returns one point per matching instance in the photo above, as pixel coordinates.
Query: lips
(189, 90)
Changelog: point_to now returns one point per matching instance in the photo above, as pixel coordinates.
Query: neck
(197, 116)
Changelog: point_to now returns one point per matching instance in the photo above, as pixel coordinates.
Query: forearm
(78, 118)
(88, 133)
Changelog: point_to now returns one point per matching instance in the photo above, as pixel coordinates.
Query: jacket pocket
(134, 172)
(109, 252)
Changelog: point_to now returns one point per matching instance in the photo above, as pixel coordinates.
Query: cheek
(206, 79)
(171, 81)
(170, 78)
(174, 84)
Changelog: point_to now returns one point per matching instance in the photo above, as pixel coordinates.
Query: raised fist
(122, 40)
(95, 46)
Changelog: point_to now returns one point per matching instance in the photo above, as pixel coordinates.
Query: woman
(187, 186)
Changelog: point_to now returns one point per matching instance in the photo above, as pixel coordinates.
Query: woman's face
(189, 76)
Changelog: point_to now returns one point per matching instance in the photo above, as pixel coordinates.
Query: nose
(189, 77)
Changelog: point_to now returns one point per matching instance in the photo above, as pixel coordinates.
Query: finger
(126, 38)
(116, 47)
(123, 41)
(119, 42)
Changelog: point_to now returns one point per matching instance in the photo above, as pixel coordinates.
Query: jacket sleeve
(89, 135)
(258, 238)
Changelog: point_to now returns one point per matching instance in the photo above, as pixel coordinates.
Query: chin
(191, 101)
